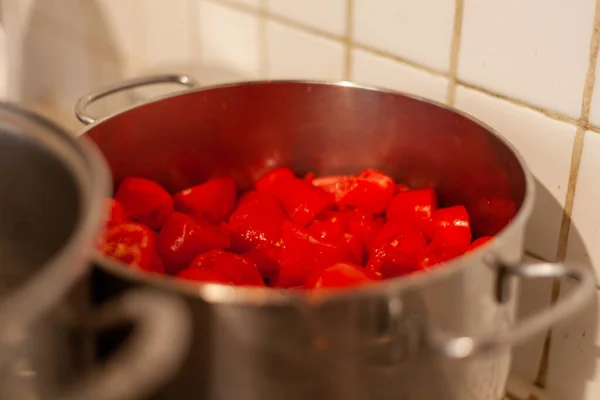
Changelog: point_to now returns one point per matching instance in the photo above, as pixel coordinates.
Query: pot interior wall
(245, 130)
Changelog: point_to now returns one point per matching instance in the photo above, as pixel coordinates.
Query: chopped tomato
(238, 269)
(301, 201)
(332, 227)
(414, 207)
(145, 201)
(183, 237)
(116, 212)
(339, 275)
(435, 254)
(266, 259)
(268, 179)
(132, 244)
(213, 199)
(338, 185)
(451, 226)
(364, 225)
(371, 191)
(479, 242)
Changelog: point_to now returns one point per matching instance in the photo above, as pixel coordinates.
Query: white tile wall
(533, 51)
(538, 139)
(393, 25)
(381, 71)
(313, 57)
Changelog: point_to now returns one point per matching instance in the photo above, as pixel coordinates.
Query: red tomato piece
(339, 275)
(451, 226)
(364, 225)
(256, 222)
(214, 199)
(414, 207)
(354, 246)
(396, 250)
(331, 227)
(116, 212)
(145, 201)
(338, 185)
(401, 188)
(309, 177)
(266, 259)
(301, 201)
(371, 191)
(182, 238)
(132, 244)
(203, 275)
(301, 254)
(479, 242)
(239, 270)
(435, 254)
(268, 179)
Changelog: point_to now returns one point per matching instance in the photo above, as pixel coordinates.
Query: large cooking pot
(445, 334)
(51, 209)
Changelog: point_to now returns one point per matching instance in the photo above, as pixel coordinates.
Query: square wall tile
(534, 50)
(595, 111)
(574, 363)
(375, 70)
(418, 30)
(546, 145)
(247, 3)
(328, 16)
(169, 29)
(584, 235)
(228, 41)
(295, 54)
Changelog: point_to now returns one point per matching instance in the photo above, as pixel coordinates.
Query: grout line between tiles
(542, 375)
(348, 39)
(454, 51)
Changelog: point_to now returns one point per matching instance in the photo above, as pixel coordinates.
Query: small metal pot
(51, 210)
(444, 334)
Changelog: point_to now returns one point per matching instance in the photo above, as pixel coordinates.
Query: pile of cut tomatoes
(288, 232)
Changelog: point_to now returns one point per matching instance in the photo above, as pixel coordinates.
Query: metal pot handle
(159, 342)
(84, 102)
(467, 346)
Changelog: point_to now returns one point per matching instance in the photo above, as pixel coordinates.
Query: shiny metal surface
(51, 210)
(380, 342)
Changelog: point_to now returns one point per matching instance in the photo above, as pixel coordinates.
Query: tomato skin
(451, 226)
(479, 242)
(338, 185)
(182, 238)
(256, 222)
(273, 176)
(301, 201)
(233, 267)
(133, 244)
(116, 212)
(396, 250)
(339, 275)
(415, 207)
(435, 254)
(145, 201)
(301, 254)
(214, 199)
(202, 275)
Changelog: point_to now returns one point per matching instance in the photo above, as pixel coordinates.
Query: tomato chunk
(339, 275)
(479, 242)
(145, 201)
(256, 222)
(116, 212)
(213, 199)
(436, 254)
(364, 226)
(415, 207)
(370, 191)
(451, 226)
(267, 261)
(132, 244)
(183, 237)
(202, 275)
(273, 176)
(338, 185)
(238, 269)
(301, 201)
(301, 254)
(396, 250)
(332, 227)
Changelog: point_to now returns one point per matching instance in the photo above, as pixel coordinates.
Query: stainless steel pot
(50, 213)
(445, 334)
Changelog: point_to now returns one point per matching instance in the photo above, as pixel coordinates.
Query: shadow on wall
(575, 353)
(67, 50)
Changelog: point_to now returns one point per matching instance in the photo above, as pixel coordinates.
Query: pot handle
(84, 102)
(467, 346)
(159, 342)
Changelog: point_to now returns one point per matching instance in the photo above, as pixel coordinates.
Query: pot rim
(216, 293)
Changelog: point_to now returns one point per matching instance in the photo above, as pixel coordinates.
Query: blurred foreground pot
(51, 209)
(445, 334)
